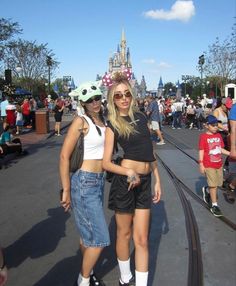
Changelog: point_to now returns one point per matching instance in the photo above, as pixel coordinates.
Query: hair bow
(109, 78)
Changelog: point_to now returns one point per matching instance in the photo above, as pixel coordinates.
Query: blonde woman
(130, 194)
(83, 191)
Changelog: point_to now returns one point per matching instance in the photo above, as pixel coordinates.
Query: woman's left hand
(133, 181)
(157, 193)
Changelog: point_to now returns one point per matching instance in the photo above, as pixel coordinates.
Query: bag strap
(82, 129)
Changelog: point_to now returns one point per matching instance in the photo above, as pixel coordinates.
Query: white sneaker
(161, 143)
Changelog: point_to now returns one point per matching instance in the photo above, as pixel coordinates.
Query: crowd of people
(184, 112)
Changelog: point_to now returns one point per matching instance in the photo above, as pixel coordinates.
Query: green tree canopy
(7, 30)
(220, 60)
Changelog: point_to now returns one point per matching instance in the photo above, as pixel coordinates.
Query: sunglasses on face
(119, 95)
(214, 124)
(94, 98)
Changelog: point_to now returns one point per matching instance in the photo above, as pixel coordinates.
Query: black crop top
(138, 146)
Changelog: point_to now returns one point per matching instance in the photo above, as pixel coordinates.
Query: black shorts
(124, 201)
(58, 117)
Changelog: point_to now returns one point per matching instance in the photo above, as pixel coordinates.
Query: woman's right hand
(65, 200)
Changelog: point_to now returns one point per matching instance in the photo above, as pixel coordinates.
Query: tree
(220, 60)
(7, 30)
(29, 62)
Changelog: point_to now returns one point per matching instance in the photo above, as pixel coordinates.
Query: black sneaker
(130, 283)
(94, 281)
(216, 211)
(205, 195)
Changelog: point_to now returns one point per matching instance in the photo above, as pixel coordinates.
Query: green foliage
(220, 61)
(7, 30)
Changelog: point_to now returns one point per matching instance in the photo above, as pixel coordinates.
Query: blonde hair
(123, 127)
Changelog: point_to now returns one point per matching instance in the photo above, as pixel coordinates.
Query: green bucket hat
(88, 89)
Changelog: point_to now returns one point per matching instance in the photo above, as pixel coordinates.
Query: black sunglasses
(94, 98)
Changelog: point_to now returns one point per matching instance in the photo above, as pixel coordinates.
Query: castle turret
(123, 48)
(121, 58)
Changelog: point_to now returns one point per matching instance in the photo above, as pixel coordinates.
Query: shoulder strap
(82, 128)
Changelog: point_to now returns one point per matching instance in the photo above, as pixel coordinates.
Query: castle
(121, 58)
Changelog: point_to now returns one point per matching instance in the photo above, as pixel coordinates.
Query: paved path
(41, 242)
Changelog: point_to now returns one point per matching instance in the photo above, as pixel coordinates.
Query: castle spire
(123, 47)
(160, 85)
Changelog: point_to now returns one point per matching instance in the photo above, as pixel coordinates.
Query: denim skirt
(87, 204)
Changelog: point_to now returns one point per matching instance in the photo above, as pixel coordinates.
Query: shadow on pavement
(64, 273)
(40, 240)
(159, 226)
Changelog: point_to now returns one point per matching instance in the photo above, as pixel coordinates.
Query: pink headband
(108, 78)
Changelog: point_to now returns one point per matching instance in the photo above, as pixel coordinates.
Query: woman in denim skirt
(83, 191)
(130, 194)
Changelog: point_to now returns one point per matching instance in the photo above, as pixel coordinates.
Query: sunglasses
(94, 98)
(214, 124)
(120, 95)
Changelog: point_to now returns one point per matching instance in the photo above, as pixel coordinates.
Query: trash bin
(42, 121)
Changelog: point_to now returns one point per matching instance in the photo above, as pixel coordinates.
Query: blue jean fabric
(87, 204)
(177, 119)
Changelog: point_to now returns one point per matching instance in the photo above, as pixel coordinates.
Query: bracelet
(131, 179)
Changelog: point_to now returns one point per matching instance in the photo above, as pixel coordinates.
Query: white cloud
(164, 65)
(180, 10)
(148, 61)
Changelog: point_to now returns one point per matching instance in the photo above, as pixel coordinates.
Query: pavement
(30, 137)
(41, 241)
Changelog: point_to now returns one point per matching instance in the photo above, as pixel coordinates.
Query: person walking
(154, 117)
(3, 106)
(130, 194)
(26, 112)
(211, 148)
(83, 191)
(58, 112)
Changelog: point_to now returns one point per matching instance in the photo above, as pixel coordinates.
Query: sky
(165, 37)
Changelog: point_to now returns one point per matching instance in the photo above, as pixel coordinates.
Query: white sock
(125, 273)
(141, 278)
(82, 281)
(214, 204)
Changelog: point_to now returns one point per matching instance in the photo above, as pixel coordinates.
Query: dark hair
(101, 118)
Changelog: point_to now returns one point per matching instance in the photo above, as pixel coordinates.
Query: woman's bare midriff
(139, 167)
(94, 166)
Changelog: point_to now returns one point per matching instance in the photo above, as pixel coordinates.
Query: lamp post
(185, 78)
(201, 62)
(49, 64)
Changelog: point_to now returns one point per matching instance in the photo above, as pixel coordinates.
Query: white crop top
(93, 142)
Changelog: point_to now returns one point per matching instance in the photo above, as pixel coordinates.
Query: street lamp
(185, 78)
(201, 61)
(49, 64)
